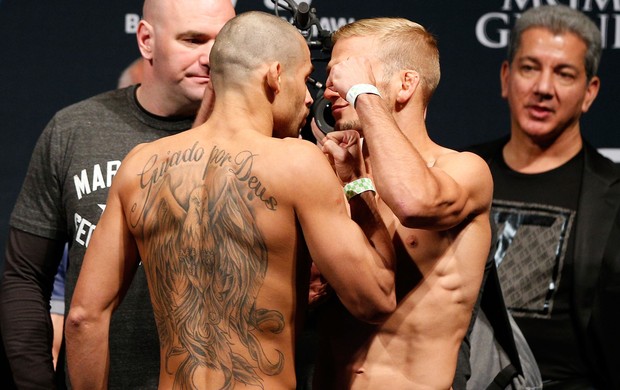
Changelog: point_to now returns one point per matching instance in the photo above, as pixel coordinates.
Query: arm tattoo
(207, 261)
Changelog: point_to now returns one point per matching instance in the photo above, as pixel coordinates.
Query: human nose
(309, 99)
(203, 57)
(330, 94)
(544, 84)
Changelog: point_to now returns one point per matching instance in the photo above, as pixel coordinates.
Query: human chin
(537, 129)
(194, 92)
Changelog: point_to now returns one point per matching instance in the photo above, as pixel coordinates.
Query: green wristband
(358, 186)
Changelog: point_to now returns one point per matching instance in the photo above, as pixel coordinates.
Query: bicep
(336, 243)
(110, 261)
(464, 189)
(473, 177)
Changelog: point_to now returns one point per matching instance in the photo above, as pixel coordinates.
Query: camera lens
(322, 112)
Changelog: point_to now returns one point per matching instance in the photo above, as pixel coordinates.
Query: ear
(591, 92)
(145, 37)
(273, 77)
(409, 83)
(503, 76)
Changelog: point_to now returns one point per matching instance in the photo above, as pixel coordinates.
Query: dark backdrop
(54, 53)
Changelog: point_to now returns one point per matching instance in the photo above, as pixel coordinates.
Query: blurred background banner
(55, 53)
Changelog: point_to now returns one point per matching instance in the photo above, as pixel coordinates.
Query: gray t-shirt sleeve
(38, 209)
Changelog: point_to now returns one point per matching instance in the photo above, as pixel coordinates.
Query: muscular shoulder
(299, 168)
(471, 172)
(465, 161)
(140, 155)
(303, 151)
(304, 162)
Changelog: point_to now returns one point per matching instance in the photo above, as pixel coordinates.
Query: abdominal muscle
(417, 347)
(437, 282)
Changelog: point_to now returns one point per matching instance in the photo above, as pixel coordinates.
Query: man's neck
(241, 112)
(414, 128)
(526, 155)
(154, 100)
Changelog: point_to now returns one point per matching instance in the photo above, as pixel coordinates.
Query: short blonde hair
(403, 45)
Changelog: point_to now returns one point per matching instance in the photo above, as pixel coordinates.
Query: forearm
(87, 349)
(419, 195)
(364, 212)
(107, 270)
(397, 166)
(30, 266)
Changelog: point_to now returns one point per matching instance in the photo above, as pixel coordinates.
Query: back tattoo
(207, 261)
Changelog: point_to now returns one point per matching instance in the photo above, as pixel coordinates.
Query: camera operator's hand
(347, 73)
(344, 150)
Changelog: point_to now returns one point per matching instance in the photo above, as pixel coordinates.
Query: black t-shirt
(535, 215)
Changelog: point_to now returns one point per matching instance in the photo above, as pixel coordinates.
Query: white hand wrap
(359, 89)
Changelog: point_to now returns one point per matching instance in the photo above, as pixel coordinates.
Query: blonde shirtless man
(434, 201)
(223, 218)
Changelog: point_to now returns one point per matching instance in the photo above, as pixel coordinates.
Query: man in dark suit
(557, 203)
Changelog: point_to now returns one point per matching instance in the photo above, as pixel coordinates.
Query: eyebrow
(191, 33)
(536, 60)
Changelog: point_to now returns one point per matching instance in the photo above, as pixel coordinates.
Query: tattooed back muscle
(206, 260)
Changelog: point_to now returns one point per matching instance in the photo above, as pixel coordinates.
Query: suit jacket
(596, 284)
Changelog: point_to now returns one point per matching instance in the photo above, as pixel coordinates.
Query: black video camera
(317, 38)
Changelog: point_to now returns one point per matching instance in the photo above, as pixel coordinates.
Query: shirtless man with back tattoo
(224, 218)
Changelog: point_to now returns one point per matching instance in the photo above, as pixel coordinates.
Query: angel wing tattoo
(207, 261)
